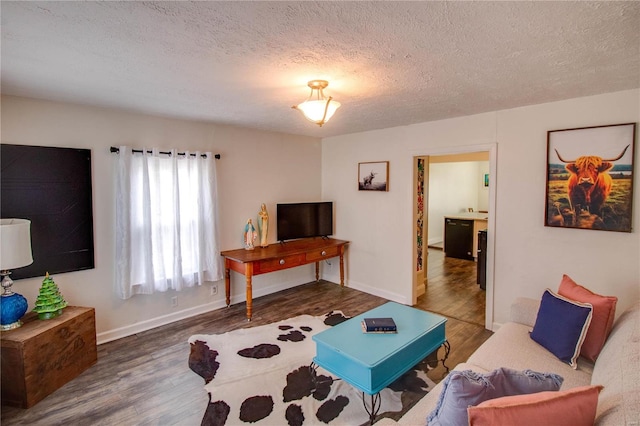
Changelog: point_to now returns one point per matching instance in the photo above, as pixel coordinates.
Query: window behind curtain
(166, 222)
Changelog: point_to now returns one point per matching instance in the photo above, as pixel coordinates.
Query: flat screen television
(304, 220)
(51, 187)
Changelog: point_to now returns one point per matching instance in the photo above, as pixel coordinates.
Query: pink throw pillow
(576, 407)
(604, 312)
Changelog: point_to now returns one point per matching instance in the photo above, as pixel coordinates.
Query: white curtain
(166, 222)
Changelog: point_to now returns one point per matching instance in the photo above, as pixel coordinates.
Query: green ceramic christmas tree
(49, 303)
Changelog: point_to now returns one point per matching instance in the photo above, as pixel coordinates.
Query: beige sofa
(617, 368)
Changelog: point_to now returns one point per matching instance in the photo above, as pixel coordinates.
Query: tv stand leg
(248, 274)
(227, 282)
(317, 271)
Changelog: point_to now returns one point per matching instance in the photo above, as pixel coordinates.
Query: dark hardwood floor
(451, 289)
(144, 379)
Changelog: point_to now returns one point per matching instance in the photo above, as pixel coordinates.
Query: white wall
(454, 187)
(266, 167)
(256, 167)
(528, 256)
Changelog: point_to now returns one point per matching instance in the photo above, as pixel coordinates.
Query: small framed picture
(590, 177)
(373, 176)
(486, 180)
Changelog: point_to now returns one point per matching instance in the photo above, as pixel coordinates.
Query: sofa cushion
(510, 346)
(618, 370)
(464, 388)
(604, 312)
(576, 407)
(561, 326)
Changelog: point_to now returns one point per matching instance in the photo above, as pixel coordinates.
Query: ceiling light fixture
(318, 108)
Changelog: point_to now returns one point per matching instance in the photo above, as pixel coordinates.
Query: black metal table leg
(376, 403)
(447, 349)
(313, 371)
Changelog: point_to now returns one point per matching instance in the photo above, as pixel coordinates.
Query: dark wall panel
(51, 187)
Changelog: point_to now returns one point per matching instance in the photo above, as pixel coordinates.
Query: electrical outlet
(214, 290)
(174, 301)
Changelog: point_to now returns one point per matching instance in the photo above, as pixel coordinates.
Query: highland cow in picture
(587, 187)
(589, 184)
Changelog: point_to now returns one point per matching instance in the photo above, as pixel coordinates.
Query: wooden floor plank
(145, 378)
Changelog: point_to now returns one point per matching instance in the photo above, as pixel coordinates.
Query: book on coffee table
(379, 325)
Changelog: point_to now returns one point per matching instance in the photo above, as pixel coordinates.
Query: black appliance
(482, 259)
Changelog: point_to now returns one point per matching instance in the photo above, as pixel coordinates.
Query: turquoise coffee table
(371, 361)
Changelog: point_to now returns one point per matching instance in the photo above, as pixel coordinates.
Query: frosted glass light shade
(318, 108)
(314, 111)
(15, 242)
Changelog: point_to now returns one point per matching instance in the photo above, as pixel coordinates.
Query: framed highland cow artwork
(373, 176)
(590, 177)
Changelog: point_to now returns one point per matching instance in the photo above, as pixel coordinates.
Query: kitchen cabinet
(462, 230)
(458, 238)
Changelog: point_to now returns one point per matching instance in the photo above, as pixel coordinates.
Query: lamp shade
(318, 108)
(15, 239)
(319, 112)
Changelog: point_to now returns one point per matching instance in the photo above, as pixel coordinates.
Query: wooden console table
(43, 355)
(279, 256)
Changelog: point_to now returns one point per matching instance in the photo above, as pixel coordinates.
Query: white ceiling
(388, 63)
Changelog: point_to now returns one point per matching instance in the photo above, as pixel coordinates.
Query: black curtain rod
(117, 150)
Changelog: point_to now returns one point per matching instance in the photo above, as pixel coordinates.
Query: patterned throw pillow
(561, 326)
(462, 389)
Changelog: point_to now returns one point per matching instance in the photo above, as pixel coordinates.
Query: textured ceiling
(388, 63)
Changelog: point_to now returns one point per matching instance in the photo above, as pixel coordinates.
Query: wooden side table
(43, 355)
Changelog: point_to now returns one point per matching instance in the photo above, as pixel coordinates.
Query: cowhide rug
(261, 375)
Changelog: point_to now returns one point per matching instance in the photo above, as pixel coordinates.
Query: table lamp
(15, 242)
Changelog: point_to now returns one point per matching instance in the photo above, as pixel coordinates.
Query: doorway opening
(446, 283)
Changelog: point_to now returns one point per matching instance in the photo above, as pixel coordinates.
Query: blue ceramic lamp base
(12, 307)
